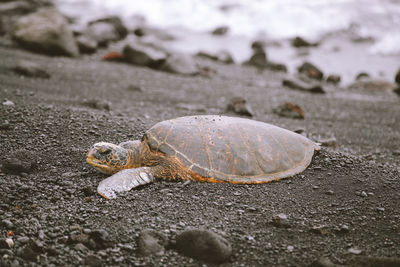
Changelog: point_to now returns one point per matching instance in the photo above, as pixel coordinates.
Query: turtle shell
(229, 149)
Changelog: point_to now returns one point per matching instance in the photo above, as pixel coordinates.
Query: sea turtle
(207, 148)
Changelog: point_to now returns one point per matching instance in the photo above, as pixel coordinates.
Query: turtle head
(108, 158)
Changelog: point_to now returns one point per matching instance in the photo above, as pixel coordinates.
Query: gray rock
(101, 238)
(289, 110)
(311, 71)
(45, 31)
(117, 24)
(334, 79)
(258, 59)
(23, 239)
(239, 106)
(280, 220)
(297, 84)
(354, 251)
(102, 32)
(221, 56)
(20, 161)
(301, 42)
(203, 245)
(151, 242)
(93, 261)
(220, 30)
(144, 55)
(397, 77)
(78, 237)
(180, 64)
(8, 103)
(31, 69)
(86, 44)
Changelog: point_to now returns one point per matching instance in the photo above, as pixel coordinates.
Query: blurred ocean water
(272, 19)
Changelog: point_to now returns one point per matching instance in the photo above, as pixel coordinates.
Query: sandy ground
(347, 199)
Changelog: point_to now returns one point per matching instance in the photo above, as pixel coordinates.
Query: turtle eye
(104, 150)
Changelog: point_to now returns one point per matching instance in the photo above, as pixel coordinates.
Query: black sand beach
(342, 210)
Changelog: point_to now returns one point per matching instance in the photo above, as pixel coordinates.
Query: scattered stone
(45, 31)
(97, 104)
(31, 69)
(23, 240)
(151, 242)
(144, 55)
(5, 125)
(310, 71)
(86, 44)
(20, 161)
(180, 64)
(113, 56)
(321, 230)
(239, 106)
(102, 33)
(276, 66)
(397, 77)
(7, 223)
(203, 245)
(333, 79)
(81, 247)
(221, 56)
(328, 142)
(258, 59)
(280, 220)
(117, 24)
(220, 30)
(300, 42)
(4, 244)
(329, 192)
(380, 209)
(289, 110)
(78, 237)
(354, 251)
(101, 238)
(363, 194)
(362, 76)
(93, 261)
(290, 248)
(8, 103)
(28, 254)
(298, 84)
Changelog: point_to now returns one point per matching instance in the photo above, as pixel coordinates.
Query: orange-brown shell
(229, 149)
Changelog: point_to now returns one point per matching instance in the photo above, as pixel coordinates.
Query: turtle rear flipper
(125, 180)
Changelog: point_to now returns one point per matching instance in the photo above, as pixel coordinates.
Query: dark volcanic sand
(349, 197)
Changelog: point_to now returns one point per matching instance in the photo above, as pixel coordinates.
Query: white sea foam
(273, 19)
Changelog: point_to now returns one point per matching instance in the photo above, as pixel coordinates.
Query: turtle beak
(92, 158)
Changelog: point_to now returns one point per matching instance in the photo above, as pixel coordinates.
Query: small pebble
(8, 103)
(354, 251)
(363, 194)
(290, 248)
(10, 242)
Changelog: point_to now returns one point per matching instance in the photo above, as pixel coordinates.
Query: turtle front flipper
(125, 180)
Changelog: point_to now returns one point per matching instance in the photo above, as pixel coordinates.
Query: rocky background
(65, 87)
